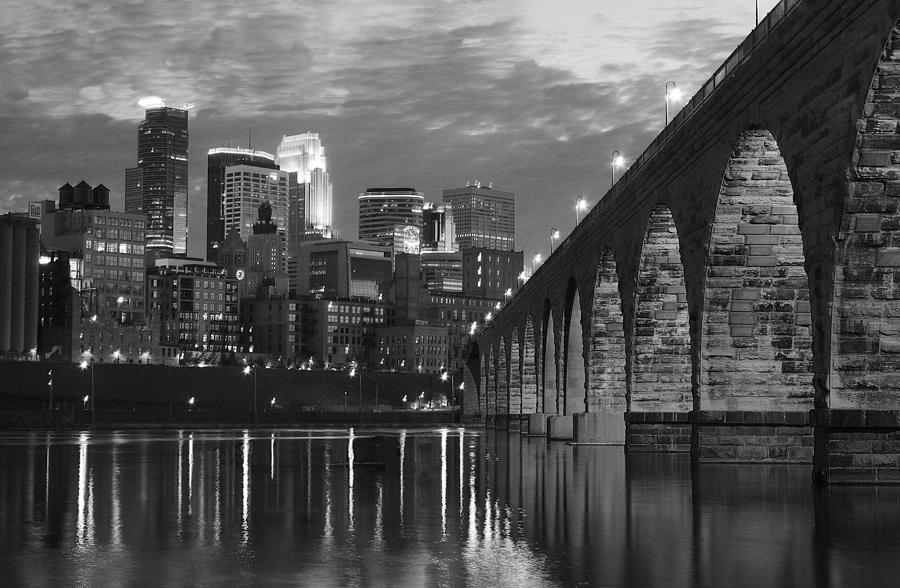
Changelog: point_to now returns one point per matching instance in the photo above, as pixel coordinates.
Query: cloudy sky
(531, 95)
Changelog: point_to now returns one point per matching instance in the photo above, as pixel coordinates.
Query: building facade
(193, 307)
(217, 160)
(330, 269)
(19, 284)
(491, 273)
(247, 187)
(392, 217)
(304, 155)
(416, 347)
(106, 249)
(438, 228)
(158, 186)
(483, 217)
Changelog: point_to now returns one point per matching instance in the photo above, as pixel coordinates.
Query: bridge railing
(728, 67)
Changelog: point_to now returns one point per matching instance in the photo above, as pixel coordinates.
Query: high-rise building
(484, 217)
(491, 273)
(304, 155)
(247, 187)
(158, 186)
(217, 160)
(392, 217)
(19, 281)
(265, 257)
(438, 229)
(442, 271)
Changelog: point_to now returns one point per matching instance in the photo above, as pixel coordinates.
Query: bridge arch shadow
(660, 350)
(549, 403)
(757, 333)
(515, 377)
(575, 380)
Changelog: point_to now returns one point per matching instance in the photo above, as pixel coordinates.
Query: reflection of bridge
(734, 294)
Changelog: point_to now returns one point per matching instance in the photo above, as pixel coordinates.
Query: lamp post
(535, 259)
(615, 160)
(247, 370)
(673, 94)
(554, 235)
(757, 12)
(580, 204)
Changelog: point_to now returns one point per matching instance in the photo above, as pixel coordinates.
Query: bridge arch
(472, 385)
(530, 388)
(607, 380)
(660, 350)
(515, 374)
(865, 326)
(575, 381)
(757, 334)
(550, 371)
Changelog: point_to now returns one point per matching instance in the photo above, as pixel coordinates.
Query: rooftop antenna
(250, 137)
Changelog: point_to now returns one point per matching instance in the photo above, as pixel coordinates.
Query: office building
(158, 186)
(455, 314)
(418, 347)
(304, 155)
(343, 330)
(106, 250)
(491, 273)
(247, 187)
(392, 217)
(438, 228)
(442, 271)
(342, 269)
(483, 217)
(19, 283)
(194, 308)
(265, 257)
(217, 160)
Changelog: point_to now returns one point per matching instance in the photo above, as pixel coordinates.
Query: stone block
(593, 427)
(868, 223)
(559, 427)
(537, 423)
(746, 229)
(874, 158)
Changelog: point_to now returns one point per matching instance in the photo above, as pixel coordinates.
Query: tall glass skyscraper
(158, 186)
(217, 160)
(304, 155)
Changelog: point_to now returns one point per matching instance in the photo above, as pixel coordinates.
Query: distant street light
(535, 259)
(247, 371)
(580, 204)
(554, 235)
(672, 94)
(615, 160)
(84, 365)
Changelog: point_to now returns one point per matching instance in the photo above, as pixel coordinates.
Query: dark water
(420, 508)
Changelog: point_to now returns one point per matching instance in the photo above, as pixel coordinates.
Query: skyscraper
(158, 186)
(484, 217)
(304, 155)
(246, 188)
(217, 160)
(392, 217)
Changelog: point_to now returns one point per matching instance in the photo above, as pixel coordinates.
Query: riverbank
(151, 394)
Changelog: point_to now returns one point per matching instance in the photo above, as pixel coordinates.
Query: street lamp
(116, 355)
(554, 235)
(757, 12)
(673, 94)
(580, 204)
(535, 259)
(615, 160)
(247, 370)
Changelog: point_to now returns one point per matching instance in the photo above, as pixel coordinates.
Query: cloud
(529, 94)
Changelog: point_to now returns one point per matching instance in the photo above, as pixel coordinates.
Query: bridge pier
(537, 424)
(856, 446)
(595, 428)
(559, 427)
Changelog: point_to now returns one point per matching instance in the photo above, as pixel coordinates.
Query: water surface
(443, 507)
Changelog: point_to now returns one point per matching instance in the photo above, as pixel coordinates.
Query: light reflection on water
(420, 507)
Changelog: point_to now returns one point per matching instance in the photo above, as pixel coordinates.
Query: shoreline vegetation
(161, 396)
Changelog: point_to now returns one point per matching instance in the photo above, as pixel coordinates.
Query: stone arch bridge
(736, 294)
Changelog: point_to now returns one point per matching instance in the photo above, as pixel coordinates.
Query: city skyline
(521, 94)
